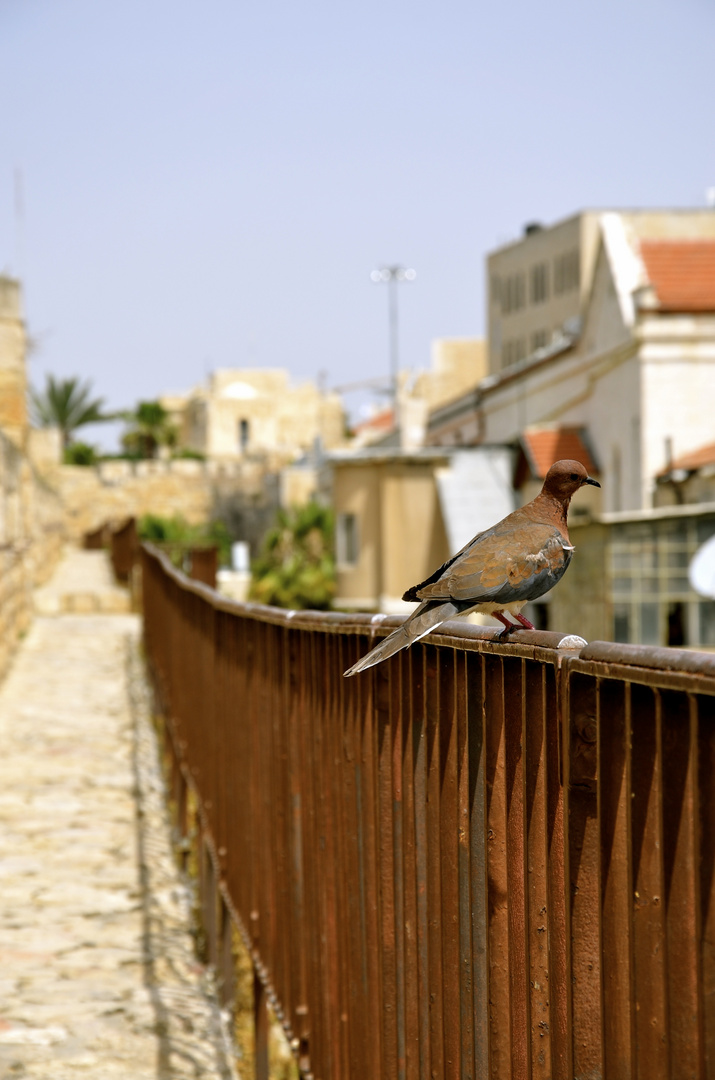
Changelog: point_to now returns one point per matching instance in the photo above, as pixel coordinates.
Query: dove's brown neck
(547, 509)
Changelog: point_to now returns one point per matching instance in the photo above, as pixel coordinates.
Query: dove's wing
(502, 566)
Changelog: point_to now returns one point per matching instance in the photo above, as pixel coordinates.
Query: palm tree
(150, 428)
(66, 404)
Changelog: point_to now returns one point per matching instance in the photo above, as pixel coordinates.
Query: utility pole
(393, 275)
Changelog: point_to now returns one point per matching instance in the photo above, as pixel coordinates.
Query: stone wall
(31, 538)
(13, 377)
(242, 494)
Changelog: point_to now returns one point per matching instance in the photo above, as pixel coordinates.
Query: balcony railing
(476, 860)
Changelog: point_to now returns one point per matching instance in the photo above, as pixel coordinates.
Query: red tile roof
(682, 273)
(696, 459)
(544, 446)
(381, 421)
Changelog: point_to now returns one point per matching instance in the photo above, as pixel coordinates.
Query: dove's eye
(574, 476)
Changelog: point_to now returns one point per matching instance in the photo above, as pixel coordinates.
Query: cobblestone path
(98, 976)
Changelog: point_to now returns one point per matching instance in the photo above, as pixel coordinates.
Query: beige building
(256, 413)
(400, 514)
(634, 375)
(538, 287)
(457, 364)
(615, 349)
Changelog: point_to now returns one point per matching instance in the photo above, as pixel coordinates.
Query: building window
(566, 272)
(512, 293)
(539, 340)
(513, 351)
(244, 435)
(653, 601)
(346, 540)
(539, 283)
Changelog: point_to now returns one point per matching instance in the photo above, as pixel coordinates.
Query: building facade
(250, 413)
(634, 371)
(539, 286)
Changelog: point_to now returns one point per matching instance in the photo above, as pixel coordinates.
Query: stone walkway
(98, 975)
(82, 583)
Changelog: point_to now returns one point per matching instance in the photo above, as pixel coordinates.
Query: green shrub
(80, 453)
(177, 531)
(296, 568)
(187, 454)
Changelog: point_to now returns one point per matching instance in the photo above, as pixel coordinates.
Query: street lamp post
(393, 275)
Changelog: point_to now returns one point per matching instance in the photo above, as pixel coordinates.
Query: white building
(631, 361)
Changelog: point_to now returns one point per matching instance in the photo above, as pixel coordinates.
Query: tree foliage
(149, 428)
(296, 568)
(66, 404)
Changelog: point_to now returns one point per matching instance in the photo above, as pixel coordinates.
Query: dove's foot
(510, 627)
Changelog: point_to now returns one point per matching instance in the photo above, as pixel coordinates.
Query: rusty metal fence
(123, 548)
(476, 860)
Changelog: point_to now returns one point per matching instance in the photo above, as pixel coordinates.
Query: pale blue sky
(210, 184)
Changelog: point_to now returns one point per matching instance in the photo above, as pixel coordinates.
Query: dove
(499, 570)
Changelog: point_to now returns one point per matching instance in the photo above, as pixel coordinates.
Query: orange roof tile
(544, 446)
(381, 421)
(696, 459)
(682, 273)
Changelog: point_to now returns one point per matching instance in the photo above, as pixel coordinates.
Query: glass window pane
(622, 584)
(707, 622)
(648, 556)
(621, 623)
(621, 559)
(706, 529)
(650, 626)
(676, 557)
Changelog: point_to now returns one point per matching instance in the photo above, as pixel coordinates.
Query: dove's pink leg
(508, 626)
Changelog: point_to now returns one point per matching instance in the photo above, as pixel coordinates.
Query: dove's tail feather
(429, 615)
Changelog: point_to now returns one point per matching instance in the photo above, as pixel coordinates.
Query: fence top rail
(650, 656)
(537, 644)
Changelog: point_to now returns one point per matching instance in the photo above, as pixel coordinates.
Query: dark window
(244, 435)
(346, 539)
(539, 283)
(676, 624)
(512, 293)
(566, 272)
(621, 623)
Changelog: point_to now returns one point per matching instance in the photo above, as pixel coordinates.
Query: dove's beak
(590, 480)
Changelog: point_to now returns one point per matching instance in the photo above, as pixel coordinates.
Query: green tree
(66, 404)
(296, 568)
(149, 428)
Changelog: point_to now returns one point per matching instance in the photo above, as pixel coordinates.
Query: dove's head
(566, 477)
